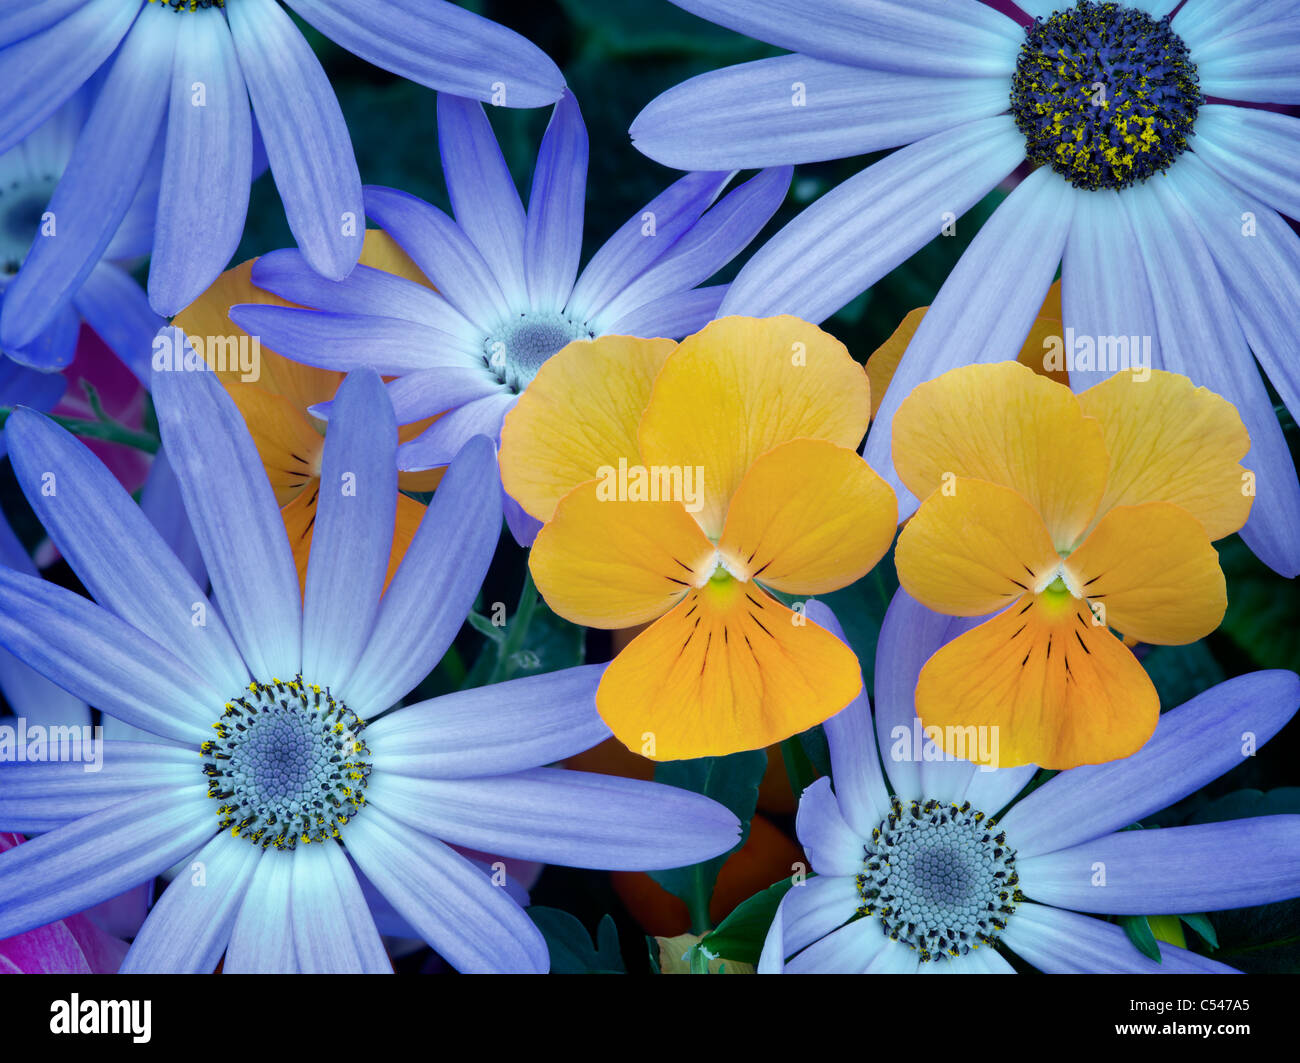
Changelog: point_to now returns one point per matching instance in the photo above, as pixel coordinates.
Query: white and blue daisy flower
(107, 298)
(274, 766)
(931, 865)
(178, 77)
(1157, 188)
(509, 291)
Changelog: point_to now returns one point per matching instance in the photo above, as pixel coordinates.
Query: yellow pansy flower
(1066, 516)
(676, 483)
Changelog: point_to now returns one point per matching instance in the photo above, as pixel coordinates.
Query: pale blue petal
(473, 924)
(444, 254)
(1192, 745)
(987, 305)
(113, 304)
(1060, 942)
(641, 240)
(553, 236)
(936, 37)
(435, 585)
(306, 137)
(1257, 63)
(867, 225)
(100, 182)
(333, 931)
(22, 20)
(161, 502)
(483, 194)
(445, 438)
(1201, 338)
(353, 534)
(832, 845)
(261, 940)
(557, 816)
(1201, 22)
(203, 196)
(796, 109)
(1256, 150)
(188, 929)
(38, 796)
(1205, 867)
(852, 949)
(673, 316)
(101, 855)
(442, 46)
(104, 661)
(855, 762)
(811, 909)
(55, 346)
(42, 71)
(235, 517)
(710, 244)
(492, 730)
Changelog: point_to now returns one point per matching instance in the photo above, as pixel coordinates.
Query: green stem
(108, 431)
(697, 904)
(516, 630)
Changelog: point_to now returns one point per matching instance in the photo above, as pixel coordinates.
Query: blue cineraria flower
(1157, 196)
(273, 764)
(107, 299)
(509, 291)
(915, 875)
(178, 79)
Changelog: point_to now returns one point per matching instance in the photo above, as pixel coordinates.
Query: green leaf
(1245, 804)
(732, 781)
(1260, 940)
(484, 626)
(1200, 922)
(1263, 617)
(740, 936)
(798, 768)
(570, 945)
(634, 28)
(1139, 932)
(1179, 673)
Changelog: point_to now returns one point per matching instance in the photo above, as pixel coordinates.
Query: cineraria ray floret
(1105, 95)
(288, 764)
(517, 349)
(940, 878)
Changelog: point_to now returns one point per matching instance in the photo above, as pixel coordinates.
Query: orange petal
(1049, 686)
(972, 547)
(290, 448)
(1152, 572)
(740, 387)
(728, 669)
(809, 517)
(381, 251)
(883, 362)
(1006, 424)
(580, 413)
(606, 563)
(1170, 441)
(300, 519)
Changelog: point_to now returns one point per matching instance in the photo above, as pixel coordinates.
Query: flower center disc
(517, 349)
(939, 877)
(1105, 95)
(184, 6)
(287, 764)
(22, 208)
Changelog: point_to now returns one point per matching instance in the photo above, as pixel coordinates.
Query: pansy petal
(974, 547)
(1192, 746)
(809, 517)
(1006, 424)
(544, 453)
(476, 926)
(1153, 573)
(606, 562)
(728, 669)
(1170, 441)
(305, 134)
(741, 386)
(1049, 686)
